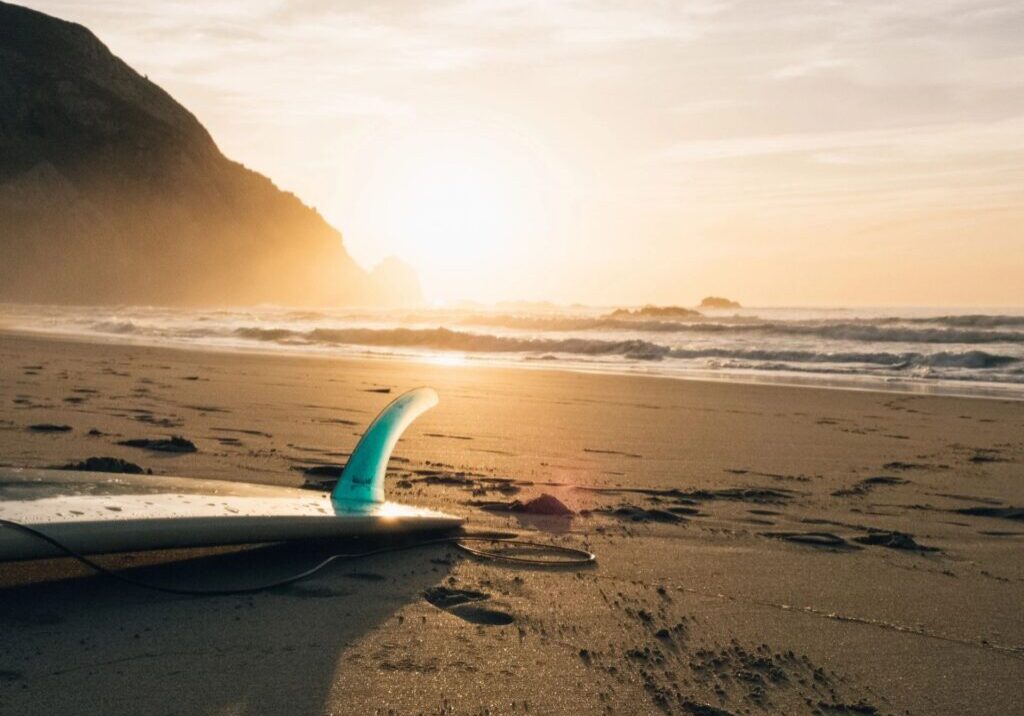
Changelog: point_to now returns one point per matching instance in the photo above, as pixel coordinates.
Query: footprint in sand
(463, 604)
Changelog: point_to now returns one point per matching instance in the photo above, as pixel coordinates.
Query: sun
(459, 206)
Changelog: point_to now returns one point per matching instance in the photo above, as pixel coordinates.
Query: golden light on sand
(447, 359)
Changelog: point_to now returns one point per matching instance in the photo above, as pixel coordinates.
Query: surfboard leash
(569, 557)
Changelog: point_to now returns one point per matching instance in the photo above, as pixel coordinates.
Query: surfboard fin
(362, 481)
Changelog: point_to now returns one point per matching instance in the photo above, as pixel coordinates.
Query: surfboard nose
(362, 480)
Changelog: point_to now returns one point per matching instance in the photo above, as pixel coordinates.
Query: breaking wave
(976, 320)
(874, 331)
(445, 339)
(933, 350)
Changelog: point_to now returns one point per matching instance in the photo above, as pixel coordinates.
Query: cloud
(944, 142)
(673, 108)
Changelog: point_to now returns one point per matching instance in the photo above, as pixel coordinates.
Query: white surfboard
(94, 512)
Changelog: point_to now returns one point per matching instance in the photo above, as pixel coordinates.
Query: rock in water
(718, 302)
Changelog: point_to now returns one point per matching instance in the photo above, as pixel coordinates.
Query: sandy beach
(761, 549)
(725, 299)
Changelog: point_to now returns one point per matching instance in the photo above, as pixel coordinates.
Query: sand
(761, 549)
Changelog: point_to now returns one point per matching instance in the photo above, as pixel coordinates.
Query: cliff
(112, 192)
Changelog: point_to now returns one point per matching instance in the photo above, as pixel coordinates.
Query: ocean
(927, 350)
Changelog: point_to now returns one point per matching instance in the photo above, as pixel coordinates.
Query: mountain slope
(110, 191)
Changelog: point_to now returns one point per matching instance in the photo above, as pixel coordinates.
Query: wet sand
(762, 549)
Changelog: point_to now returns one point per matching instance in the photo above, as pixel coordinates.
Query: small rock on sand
(544, 504)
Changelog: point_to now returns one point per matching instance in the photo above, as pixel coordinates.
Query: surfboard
(93, 512)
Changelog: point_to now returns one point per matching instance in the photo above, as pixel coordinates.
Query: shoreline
(866, 384)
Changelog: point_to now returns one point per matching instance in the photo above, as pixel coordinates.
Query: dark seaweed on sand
(982, 456)
(641, 514)
(322, 477)
(813, 539)
(324, 471)
(104, 464)
(175, 443)
(894, 540)
(865, 486)
(1006, 513)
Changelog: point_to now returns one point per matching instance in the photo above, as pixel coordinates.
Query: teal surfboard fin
(362, 481)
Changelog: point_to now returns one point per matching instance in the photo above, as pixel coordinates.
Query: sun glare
(448, 360)
(458, 206)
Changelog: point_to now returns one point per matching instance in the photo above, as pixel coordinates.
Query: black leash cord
(572, 558)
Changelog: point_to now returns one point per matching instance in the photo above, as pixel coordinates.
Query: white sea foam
(944, 350)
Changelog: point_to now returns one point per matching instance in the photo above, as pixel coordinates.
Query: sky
(779, 153)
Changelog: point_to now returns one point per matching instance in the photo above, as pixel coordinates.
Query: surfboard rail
(94, 512)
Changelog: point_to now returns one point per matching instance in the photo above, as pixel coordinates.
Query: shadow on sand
(87, 644)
